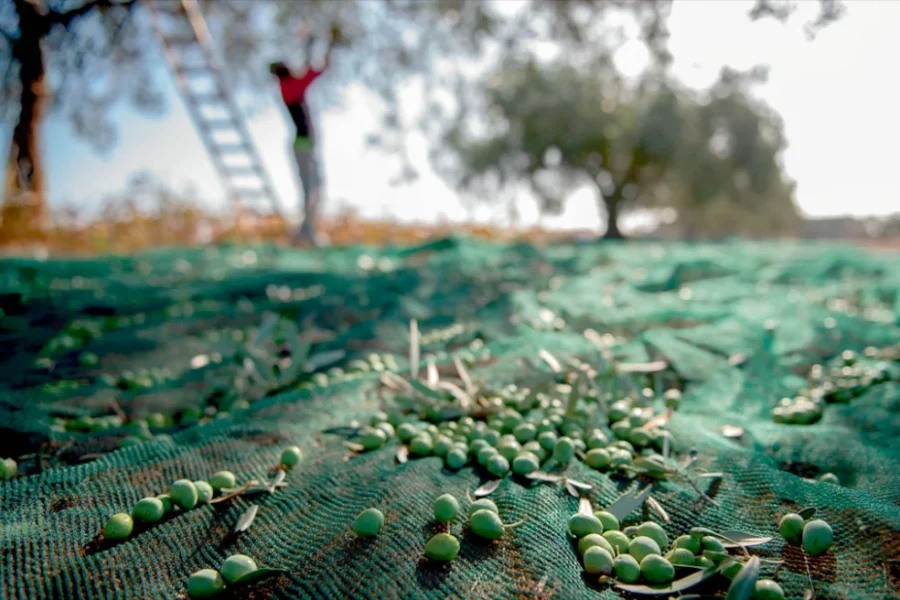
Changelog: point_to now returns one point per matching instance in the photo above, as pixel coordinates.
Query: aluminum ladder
(204, 87)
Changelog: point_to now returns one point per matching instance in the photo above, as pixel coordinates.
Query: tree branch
(66, 18)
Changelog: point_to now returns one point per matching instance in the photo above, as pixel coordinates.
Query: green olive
(204, 492)
(594, 539)
(148, 510)
(656, 569)
(655, 532)
(618, 540)
(766, 589)
(373, 438)
(290, 456)
(205, 583)
(688, 543)
(456, 458)
(237, 566)
(446, 508)
(564, 450)
(184, 494)
(642, 546)
(598, 561)
(223, 480)
(817, 537)
(597, 458)
(442, 547)
(609, 520)
(118, 527)
(791, 528)
(486, 524)
(483, 504)
(368, 523)
(627, 568)
(581, 525)
(681, 556)
(525, 463)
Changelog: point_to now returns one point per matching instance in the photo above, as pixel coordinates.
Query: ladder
(190, 53)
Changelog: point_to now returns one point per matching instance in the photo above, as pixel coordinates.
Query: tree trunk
(25, 199)
(613, 204)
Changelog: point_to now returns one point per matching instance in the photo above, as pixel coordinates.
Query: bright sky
(836, 95)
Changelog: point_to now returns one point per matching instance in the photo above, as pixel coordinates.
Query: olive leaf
(265, 329)
(246, 519)
(403, 454)
(808, 513)
(551, 361)
(486, 489)
(716, 556)
(541, 476)
(584, 506)
(572, 490)
(622, 507)
(279, 478)
(674, 587)
(703, 531)
(658, 509)
(709, 475)
(344, 430)
(742, 585)
(413, 348)
(736, 539)
(431, 372)
(354, 447)
(258, 574)
(424, 390)
(648, 466)
(579, 485)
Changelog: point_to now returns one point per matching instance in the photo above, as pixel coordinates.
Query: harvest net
(284, 346)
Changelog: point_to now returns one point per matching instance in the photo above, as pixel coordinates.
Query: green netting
(174, 330)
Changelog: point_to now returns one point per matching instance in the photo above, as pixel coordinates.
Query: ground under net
(232, 353)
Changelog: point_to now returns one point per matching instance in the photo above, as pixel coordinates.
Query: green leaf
(808, 513)
(703, 531)
(259, 574)
(651, 467)
(265, 329)
(736, 539)
(674, 587)
(716, 556)
(427, 391)
(742, 585)
(622, 507)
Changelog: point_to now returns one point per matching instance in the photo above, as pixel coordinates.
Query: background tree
(554, 128)
(79, 57)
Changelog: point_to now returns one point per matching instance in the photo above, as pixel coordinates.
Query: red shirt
(293, 89)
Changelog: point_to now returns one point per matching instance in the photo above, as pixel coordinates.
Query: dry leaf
(584, 506)
(246, 519)
(658, 509)
(414, 348)
(486, 489)
(732, 431)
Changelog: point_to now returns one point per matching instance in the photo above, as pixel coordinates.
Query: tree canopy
(650, 143)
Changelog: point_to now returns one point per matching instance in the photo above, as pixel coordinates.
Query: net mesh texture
(178, 322)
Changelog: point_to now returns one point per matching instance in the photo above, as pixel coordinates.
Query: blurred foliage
(91, 54)
(714, 156)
